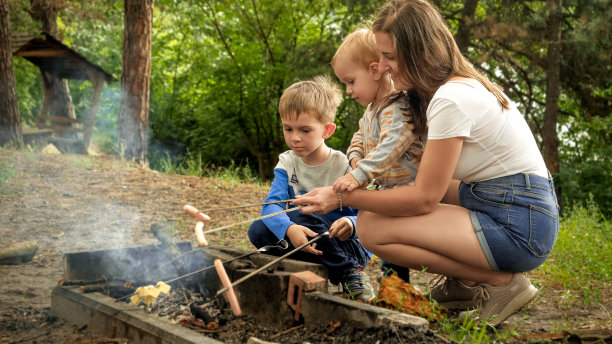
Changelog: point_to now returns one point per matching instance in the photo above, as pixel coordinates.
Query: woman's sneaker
(449, 293)
(357, 286)
(496, 304)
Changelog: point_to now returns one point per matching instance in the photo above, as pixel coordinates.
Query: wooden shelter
(53, 57)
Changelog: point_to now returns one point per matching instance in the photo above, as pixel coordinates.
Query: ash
(213, 318)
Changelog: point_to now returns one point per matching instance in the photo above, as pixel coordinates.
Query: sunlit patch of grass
(580, 261)
(85, 161)
(194, 165)
(465, 330)
(7, 173)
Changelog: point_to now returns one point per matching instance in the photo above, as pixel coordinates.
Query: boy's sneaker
(496, 304)
(450, 293)
(357, 286)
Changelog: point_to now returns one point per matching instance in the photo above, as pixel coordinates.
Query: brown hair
(360, 45)
(320, 97)
(425, 47)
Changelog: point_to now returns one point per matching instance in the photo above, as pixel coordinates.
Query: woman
(482, 209)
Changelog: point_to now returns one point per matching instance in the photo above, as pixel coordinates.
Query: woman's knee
(365, 228)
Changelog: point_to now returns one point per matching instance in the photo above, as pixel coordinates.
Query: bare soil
(70, 203)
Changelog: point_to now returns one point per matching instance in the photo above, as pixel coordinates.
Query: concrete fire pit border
(103, 314)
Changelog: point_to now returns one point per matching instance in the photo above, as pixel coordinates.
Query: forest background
(218, 69)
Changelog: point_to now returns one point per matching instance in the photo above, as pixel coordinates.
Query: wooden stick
(251, 220)
(253, 273)
(282, 333)
(249, 205)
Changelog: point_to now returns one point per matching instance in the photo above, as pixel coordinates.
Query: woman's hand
(346, 183)
(342, 228)
(298, 235)
(320, 200)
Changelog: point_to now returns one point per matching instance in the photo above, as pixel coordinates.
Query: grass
(193, 165)
(464, 330)
(7, 173)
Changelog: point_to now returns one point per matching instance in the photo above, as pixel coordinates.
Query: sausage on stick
(193, 211)
(199, 232)
(231, 296)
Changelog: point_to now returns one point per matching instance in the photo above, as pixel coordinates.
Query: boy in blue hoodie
(307, 111)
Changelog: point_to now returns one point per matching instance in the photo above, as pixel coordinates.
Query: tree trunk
(133, 121)
(550, 141)
(464, 32)
(56, 89)
(10, 124)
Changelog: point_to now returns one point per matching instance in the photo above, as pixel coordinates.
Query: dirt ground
(71, 203)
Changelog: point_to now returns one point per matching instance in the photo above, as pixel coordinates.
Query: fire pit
(289, 295)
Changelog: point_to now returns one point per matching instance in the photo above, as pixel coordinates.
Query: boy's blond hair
(360, 45)
(320, 97)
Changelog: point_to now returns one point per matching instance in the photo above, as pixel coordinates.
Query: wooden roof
(54, 57)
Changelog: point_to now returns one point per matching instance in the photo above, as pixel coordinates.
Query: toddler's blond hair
(360, 45)
(320, 97)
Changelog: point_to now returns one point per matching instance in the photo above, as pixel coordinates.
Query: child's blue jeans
(341, 258)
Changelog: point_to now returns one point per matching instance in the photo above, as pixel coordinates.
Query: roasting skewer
(249, 205)
(281, 244)
(202, 218)
(229, 287)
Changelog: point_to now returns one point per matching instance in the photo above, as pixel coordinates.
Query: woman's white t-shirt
(496, 143)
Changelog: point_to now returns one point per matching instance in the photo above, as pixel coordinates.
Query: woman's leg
(442, 241)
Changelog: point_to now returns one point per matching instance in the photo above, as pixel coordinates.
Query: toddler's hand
(342, 229)
(298, 235)
(346, 183)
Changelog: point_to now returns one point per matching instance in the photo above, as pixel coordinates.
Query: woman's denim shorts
(516, 219)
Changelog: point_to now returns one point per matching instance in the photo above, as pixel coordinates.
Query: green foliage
(580, 260)
(223, 66)
(29, 91)
(586, 164)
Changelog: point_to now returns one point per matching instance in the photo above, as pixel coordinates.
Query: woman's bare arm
(430, 187)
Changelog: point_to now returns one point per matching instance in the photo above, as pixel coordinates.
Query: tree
(133, 121)
(56, 89)
(10, 126)
(550, 139)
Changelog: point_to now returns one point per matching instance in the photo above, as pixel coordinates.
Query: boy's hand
(342, 229)
(346, 183)
(298, 235)
(354, 162)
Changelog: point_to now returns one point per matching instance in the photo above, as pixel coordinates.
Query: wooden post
(44, 112)
(97, 81)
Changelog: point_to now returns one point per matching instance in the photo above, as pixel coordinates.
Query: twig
(30, 338)
(282, 333)
(399, 339)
